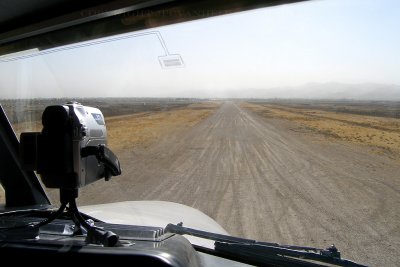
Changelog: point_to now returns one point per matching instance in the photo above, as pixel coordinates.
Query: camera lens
(55, 117)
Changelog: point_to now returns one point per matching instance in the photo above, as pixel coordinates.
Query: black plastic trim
(22, 187)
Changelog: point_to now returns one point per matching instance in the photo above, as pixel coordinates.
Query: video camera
(71, 151)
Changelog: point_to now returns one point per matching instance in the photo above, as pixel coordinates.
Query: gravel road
(261, 180)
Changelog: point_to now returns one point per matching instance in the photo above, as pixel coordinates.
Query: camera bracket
(95, 235)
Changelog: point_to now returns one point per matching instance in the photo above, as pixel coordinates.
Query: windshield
(282, 124)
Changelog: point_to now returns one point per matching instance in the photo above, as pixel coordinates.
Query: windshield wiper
(262, 253)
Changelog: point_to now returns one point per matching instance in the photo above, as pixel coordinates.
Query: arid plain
(290, 172)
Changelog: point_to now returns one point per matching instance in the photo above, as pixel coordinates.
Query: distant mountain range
(333, 90)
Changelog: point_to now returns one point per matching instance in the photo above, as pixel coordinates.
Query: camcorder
(70, 151)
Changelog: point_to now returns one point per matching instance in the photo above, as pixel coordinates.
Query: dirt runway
(261, 180)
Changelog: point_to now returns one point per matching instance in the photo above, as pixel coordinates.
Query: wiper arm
(264, 252)
(179, 229)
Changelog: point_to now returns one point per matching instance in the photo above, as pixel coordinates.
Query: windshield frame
(115, 18)
(22, 188)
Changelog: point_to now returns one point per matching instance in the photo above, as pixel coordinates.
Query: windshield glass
(282, 124)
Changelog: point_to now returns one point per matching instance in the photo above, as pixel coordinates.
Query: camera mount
(95, 235)
(69, 153)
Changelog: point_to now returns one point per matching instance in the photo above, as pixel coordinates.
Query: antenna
(166, 61)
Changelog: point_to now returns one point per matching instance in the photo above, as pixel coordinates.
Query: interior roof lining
(116, 17)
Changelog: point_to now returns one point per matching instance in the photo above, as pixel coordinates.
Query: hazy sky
(347, 41)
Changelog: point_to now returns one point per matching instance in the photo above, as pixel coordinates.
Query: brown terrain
(273, 172)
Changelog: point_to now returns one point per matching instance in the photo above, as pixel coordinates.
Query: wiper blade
(264, 252)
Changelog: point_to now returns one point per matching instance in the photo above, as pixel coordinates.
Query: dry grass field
(380, 133)
(127, 131)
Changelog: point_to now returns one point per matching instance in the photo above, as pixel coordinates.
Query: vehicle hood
(155, 213)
